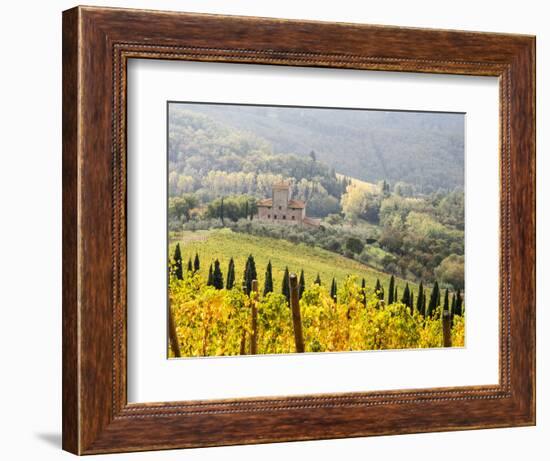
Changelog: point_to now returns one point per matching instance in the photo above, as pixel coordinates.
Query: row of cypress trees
(426, 308)
(192, 266)
(422, 305)
(215, 275)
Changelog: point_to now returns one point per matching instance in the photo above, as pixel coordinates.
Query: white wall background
(30, 243)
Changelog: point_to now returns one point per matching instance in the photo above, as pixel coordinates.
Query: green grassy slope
(222, 244)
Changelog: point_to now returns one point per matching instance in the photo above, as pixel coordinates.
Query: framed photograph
(282, 230)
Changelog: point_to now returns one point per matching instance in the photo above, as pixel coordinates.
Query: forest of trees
(209, 161)
(422, 149)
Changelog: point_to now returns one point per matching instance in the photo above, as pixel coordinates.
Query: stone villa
(282, 209)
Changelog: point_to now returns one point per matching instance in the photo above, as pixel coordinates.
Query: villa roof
(296, 204)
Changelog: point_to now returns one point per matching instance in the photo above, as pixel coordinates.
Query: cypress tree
(411, 299)
(419, 298)
(230, 274)
(318, 280)
(286, 285)
(189, 266)
(210, 281)
(364, 292)
(458, 305)
(217, 276)
(221, 212)
(453, 305)
(434, 300)
(268, 284)
(334, 290)
(378, 290)
(395, 297)
(301, 284)
(197, 263)
(446, 300)
(178, 264)
(424, 304)
(250, 273)
(391, 290)
(406, 299)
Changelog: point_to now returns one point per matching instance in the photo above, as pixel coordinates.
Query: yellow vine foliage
(211, 322)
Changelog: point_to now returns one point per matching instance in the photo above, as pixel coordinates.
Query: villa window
(284, 216)
(269, 216)
(280, 208)
(274, 216)
(292, 217)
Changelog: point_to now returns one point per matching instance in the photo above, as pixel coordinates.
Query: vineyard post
(254, 335)
(296, 315)
(243, 337)
(447, 341)
(172, 334)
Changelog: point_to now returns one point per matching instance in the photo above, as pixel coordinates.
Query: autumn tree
(179, 208)
(358, 203)
(451, 270)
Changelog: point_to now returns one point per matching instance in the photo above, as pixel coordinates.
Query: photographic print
(313, 229)
(264, 234)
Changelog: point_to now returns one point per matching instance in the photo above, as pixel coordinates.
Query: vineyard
(224, 245)
(230, 314)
